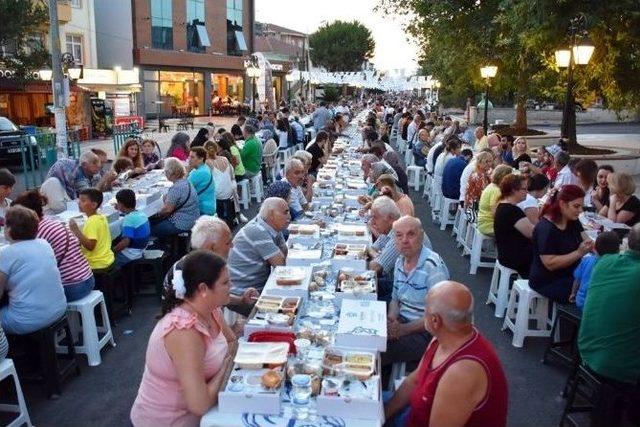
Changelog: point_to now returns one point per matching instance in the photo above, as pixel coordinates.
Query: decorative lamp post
(487, 73)
(290, 77)
(579, 53)
(253, 71)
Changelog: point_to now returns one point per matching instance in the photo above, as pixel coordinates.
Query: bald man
(416, 270)
(257, 247)
(460, 381)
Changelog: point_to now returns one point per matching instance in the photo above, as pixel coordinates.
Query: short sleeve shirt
(514, 249)
(36, 297)
(136, 228)
(488, 199)
(582, 275)
(239, 169)
(316, 155)
(97, 228)
(297, 199)
(253, 245)
(72, 264)
(550, 240)
(183, 192)
(410, 288)
(632, 205)
(205, 186)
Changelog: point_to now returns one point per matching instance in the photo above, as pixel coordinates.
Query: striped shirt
(73, 266)
(389, 253)
(254, 244)
(410, 288)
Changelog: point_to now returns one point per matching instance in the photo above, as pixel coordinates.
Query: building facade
(191, 53)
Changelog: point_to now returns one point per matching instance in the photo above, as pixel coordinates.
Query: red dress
(490, 412)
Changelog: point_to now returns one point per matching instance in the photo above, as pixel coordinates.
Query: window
(234, 25)
(161, 24)
(197, 37)
(76, 3)
(74, 47)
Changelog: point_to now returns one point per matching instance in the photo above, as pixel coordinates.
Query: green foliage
(341, 46)
(331, 93)
(457, 37)
(23, 34)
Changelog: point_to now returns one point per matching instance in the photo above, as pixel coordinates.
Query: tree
(341, 46)
(22, 36)
(520, 36)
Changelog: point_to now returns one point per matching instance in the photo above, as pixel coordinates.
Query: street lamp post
(577, 54)
(289, 78)
(487, 72)
(253, 71)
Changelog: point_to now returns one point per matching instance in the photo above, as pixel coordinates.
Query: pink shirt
(160, 400)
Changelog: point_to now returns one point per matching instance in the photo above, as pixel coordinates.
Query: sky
(393, 51)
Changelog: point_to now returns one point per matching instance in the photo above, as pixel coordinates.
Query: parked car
(11, 147)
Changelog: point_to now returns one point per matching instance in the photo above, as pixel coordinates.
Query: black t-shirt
(316, 155)
(514, 249)
(548, 239)
(632, 205)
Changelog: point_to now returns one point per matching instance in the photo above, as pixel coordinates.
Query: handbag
(157, 218)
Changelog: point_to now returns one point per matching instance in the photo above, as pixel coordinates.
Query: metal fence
(123, 132)
(38, 153)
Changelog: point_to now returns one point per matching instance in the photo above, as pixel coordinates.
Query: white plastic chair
(8, 369)
(477, 245)
(499, 289)
(525, 304)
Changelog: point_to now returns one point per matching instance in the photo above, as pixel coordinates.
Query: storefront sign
(121, 107)
(130, 119)
(276, 67)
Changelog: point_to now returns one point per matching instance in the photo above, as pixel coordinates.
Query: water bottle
(300, 395)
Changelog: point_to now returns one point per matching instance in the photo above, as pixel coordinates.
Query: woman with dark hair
(179, 147)
(600, 195)
(316, 148)
(587, 171)
(228, 143)
(537, 187)
(282, 134)
(29, 275)
(511, 227)
(559, 243)
(75, 273)
(200, 138)
(191, 347)
(131, 150)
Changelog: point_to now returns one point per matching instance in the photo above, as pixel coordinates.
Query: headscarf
(280, 189)
(380, 168)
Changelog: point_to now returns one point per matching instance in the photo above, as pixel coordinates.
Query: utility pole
(57, 82)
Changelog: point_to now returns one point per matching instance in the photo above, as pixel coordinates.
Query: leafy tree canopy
(457, 37)
(341, 46)
(22, 37)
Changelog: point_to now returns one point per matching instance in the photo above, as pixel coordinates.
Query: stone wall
(553, 117)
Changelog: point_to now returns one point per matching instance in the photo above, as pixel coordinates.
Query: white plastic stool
(466, 239)
(476, 250)
(92, 343)
(457, 221)
(397, 371)
(445, 217)
(283, 156)
(525, 304)
(8, 369)
(499, 289)
(414, 175)
(255, 185)
(244, 193)
(428, 187)
(408, 157)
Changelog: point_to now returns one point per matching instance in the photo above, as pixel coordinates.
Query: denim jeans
(79, 290)
(164, 228)
(399, 419)
(122, 259)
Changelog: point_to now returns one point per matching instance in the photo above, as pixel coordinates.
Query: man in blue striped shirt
(417, 269)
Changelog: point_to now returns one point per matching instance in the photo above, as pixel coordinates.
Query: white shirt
(297, 200)
(529, 202)
(441, 161)
(464, 178)
(430, 156)
(412, 129)
(565, 177)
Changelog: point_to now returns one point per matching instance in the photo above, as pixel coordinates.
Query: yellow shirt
(96, 228)
(488, 201)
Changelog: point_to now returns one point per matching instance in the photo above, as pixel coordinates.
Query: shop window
(74, 47)
(234, 25)
(197, 37)
(161, 24)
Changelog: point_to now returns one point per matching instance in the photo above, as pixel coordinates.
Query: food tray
(245, 387)
(254, 355)
(288, 281)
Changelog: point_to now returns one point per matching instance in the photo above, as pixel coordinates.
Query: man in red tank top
(460, 381)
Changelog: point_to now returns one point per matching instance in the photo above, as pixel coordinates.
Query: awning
(112, 88)
(242, 44)
(203, 36)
